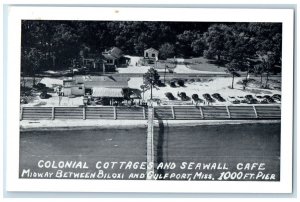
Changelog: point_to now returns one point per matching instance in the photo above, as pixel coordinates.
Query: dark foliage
(57, 45)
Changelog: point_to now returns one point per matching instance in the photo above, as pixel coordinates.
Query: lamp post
(85, 101)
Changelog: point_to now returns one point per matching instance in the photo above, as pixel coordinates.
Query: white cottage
(151, 53)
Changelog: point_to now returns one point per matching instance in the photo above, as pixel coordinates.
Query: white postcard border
(16, 14)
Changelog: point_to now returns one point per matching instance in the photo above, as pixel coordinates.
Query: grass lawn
(162, 64)
(203, 64)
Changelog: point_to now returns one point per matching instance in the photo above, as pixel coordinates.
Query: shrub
(180, 82)
(40, 86)
(44, 95)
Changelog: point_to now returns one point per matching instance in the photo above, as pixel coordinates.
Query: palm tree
(151, 79)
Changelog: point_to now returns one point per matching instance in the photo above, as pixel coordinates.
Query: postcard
(150, 100)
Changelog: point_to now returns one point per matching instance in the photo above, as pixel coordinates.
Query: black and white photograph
(80, 79)
(151, 100)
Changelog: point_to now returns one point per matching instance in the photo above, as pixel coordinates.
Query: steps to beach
(150, 145)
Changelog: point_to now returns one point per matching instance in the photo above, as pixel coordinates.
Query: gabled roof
(108, 56)
(151, 50)
(113, 53)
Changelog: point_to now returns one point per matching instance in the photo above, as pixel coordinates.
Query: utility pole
(151, 84)
(165, 73)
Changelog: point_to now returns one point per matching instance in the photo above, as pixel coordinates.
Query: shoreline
(58, 125)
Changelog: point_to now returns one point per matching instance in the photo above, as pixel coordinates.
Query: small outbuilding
(151, 53)
(70, 88)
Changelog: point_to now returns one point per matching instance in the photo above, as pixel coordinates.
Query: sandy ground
(184, 69)
(49, 82)
(54, 101)
(133, 59)
(134, 69)
(217, 85)
(179, 69)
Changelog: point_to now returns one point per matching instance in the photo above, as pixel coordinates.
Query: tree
(259, 69)
(34, 56)
(151, 79)
(166, 50)
(217, 38)
(269, 61)
(198, 46)
(232, 68)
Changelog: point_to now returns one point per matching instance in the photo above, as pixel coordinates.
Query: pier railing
(160, 112)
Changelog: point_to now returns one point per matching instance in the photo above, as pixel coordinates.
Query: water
(225, 144)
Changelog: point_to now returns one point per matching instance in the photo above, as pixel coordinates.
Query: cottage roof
(106, 84)
(151, 50)
(108, 92)
(102, 81)
(108, 56)
(114, 53)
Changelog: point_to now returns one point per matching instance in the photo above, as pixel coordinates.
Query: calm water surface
(225, 144)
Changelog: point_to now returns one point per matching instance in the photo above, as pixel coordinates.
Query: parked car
(195, 97)
(208, 98)
(248, 97)
(264, 101)
(170, 96)
(183, 96)
(251, 100)
(180, 82)
(244, 101)
(269, 99)
(233, 100)
(276, 97)
(218, 97)
(172, 84)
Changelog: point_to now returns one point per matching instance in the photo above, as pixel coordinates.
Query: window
(147, 55)
(153, 55)
(80, 88)
(110, 61)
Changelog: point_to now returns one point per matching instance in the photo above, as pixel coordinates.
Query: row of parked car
(195, 97)
(258, 99)
(248, 99)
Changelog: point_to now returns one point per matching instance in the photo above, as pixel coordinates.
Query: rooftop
(108, 92)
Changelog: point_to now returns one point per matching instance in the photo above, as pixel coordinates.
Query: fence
(160, 112)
